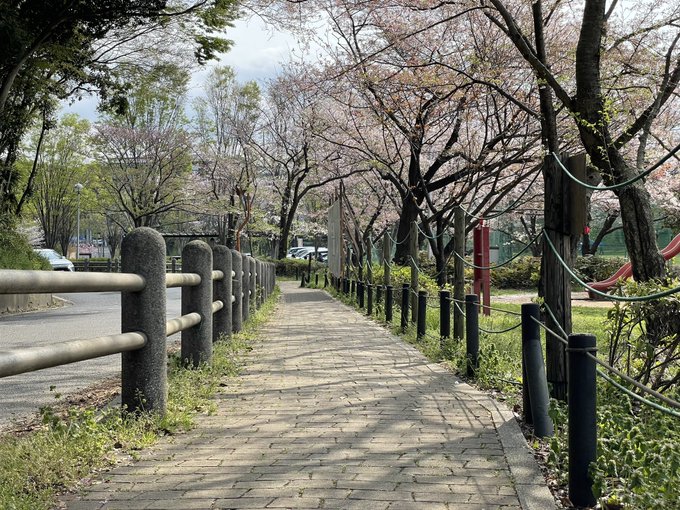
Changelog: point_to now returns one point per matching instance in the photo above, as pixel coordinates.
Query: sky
(256, 54)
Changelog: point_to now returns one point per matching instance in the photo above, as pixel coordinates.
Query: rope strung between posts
(460, 310)
(637, 397)
(424, 234)
(637, 384)
(555, 321)
(546, 328)
(395, 241)
(620, 185)
(628, 299)
(492, 332)
(470, 264)
(509, 208)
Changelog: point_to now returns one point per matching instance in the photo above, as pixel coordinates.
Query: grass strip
(71, 445)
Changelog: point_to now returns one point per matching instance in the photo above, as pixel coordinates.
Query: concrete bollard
(222, 292)
(245, 287)
(144, 373)
(236, 290)
(253, 285)
(197, 340)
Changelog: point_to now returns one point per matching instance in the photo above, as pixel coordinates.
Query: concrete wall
(21, 302)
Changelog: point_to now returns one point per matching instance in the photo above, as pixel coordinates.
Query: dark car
(57, 261)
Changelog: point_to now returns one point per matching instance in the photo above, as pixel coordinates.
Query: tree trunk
(636, 211)
(409, 214)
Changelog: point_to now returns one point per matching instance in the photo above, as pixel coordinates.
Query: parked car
(304, 252)
(293, 251)
(57, 261)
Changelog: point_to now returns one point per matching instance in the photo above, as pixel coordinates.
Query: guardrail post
(444, 317)
(245, 297)
(197, 340)
(173, 264)
(253, 284)
(237, 291)
(222, 292)
(472, 333)
(582, 418)
(144, 374)
(421, 314)
(353, 288)
(389, 296)
(378, 294)
(535, 385)
(316, 280)
(360, 293)
(404, 306)
(260, 283)
(109, 265)
(369, 299)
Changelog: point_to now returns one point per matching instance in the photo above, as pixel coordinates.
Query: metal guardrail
(205, 318)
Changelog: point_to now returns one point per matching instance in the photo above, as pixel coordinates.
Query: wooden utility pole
(387, 252)
(459, 273)
(413, 250)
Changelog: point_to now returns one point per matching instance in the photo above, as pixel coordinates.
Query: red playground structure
(626, 270)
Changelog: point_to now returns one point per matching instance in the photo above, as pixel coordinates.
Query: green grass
(37, 466)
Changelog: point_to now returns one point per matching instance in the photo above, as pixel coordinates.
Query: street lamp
(78, 187)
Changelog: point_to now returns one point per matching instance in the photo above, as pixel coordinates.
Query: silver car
(58, 262)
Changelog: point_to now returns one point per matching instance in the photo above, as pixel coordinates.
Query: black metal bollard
(369, 299)
(109, 265)
(353, 288)
(535, 385)
(378, 294)
(173, 264)
(404, 306)
(303, 280)
(360, 293)
(297, 273)
(472, 333)
(389, 296)
(316, 280)
(444, 315)
(581, 376)
(422, 314)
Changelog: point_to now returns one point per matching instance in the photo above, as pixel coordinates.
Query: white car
(304, 252)
(57, 261)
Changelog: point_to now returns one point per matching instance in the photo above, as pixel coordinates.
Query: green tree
(145, 152)
(60, 165)
(53, 50)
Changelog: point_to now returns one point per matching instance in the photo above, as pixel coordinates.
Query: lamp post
(78, 187)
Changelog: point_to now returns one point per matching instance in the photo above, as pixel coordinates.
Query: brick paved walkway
(333, 412)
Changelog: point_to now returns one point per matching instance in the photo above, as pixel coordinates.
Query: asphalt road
(87, 315)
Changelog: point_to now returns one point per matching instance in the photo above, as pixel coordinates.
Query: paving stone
(331, 411)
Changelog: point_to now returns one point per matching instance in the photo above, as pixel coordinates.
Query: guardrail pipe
(472, 333)
(197, 341)
(222, 292)
(237, 291)
(421, 314)
(535, 384)
(143, 371)
(404, 306)
(582, 418)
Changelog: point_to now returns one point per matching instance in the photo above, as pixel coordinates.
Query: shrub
(287, 267)
(521, 273)
(594, 268)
